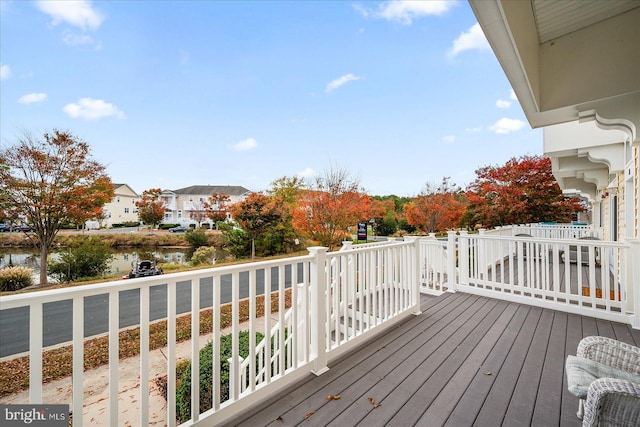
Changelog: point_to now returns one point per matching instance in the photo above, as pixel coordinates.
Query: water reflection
(121, 263)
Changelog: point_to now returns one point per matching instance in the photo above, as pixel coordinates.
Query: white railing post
(463, 257)
(451, 260)
(318, 309)
(633, 289)
(346, 245)
(235, 376)
(415, 273)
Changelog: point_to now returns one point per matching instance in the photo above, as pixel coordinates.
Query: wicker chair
(611, 401)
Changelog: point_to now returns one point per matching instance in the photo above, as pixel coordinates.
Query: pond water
(120, 265)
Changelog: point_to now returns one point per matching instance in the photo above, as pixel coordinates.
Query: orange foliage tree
(521, 191)
(150, 208)
(331, 208)
(217, 207)
(258, 215)
(52, 182)
(436, 208)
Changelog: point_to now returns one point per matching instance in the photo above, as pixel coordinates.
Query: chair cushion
(582, 372)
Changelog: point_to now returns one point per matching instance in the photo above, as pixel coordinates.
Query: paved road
(57, 316)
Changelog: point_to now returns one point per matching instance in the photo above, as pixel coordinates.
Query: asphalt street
(57, 316)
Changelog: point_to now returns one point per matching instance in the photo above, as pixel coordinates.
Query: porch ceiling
(569, 60)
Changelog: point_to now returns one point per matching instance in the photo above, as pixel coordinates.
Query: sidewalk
(96, 397)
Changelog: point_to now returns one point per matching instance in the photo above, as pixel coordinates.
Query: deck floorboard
(465, 361)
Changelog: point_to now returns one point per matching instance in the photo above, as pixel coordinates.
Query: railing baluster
(215, 341)
(195, 350)
(171, 353)
(78, 360)
(144, 355)
(35, 353)
(114, 318)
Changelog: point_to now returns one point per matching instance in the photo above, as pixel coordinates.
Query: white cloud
(474, 130)
(245, 145)
(335, 84)
(5, 72)
(474, 38)
(307, 173)
(78, 13)
(505, 125)
(449, 139)
(76, 39)
(92, 109)
(501, 103)
(405, 11)
(513, 95)
(32, 98)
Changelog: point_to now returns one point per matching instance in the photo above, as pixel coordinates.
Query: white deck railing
(577, 275)
(338, 300)
(547, 231)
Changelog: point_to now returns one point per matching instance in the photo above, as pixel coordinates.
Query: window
(179, 214)
(126, 210)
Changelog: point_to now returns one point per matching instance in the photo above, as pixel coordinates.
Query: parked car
(143, 268)
(5, 228)
(178, 229)
(22, 227)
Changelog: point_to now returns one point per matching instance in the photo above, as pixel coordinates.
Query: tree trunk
(44, 252)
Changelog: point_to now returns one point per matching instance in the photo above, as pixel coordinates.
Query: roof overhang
(564, 67)
(583, 151)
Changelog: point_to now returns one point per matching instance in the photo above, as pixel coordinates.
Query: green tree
(288, 189)
(197, 238)
(151, 209)
(90, 258)
(52, 182)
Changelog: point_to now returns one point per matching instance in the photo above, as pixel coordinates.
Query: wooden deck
(465, 361)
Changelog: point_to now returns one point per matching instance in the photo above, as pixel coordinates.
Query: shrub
(15, 278)
(183, 389)
(90, 258)
(196, 238)
(204, 255)
(166, 226)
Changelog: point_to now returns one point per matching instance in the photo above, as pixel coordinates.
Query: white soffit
(558, 18)
(564, 57)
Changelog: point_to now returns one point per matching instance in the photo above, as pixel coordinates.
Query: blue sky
(176, 93)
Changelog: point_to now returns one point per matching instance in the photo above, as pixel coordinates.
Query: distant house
(122, 207)
(187, 205)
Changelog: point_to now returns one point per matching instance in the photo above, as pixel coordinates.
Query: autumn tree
(332, 207)
(151, 208)
(259, 215)
(50, 182)
(288, 189)
(217, 207)
(521, 191)
(437, 208)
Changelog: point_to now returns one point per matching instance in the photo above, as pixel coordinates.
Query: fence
(326, 303)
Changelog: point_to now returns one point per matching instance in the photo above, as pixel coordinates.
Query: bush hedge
(15, 278)
(183, 389)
